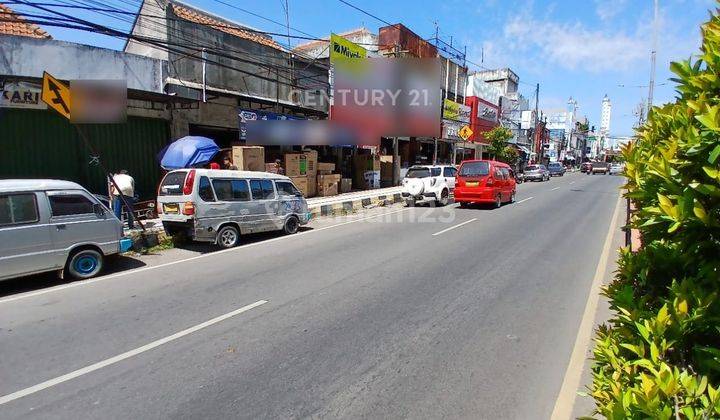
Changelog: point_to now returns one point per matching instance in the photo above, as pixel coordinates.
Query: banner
(245, 115)
(21, 95)
(342, 50)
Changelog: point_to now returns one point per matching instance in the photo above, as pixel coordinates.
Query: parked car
(599, 168)
(428, 184)
(616, 168)
(218, 206)
(536, 173)
(484, 181)
(585, 167)
(51, 225)
(556, 169)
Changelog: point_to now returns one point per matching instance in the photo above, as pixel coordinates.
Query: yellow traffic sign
(56, 95)
(465, 132)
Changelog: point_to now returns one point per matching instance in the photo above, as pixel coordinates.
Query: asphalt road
(388, 317)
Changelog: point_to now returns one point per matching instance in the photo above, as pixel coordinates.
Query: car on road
(536, 173)
(599, 168)
(585, 167)
(556, 169)
(616, 168)
(52, 225)
(484, 181)
(428, 184)
(218, 206)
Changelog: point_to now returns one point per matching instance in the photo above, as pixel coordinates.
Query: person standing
(126, 184)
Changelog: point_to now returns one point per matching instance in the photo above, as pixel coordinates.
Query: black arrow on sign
(58, 98)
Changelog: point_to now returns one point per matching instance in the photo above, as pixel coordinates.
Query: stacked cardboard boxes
(328, 185)
(295, 164)
(301, 182)
(311, 159)
(366, 172)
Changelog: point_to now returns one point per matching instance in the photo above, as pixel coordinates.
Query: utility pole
(652, 58)
(535, 122)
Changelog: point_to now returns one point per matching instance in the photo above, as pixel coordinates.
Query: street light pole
(653, 54)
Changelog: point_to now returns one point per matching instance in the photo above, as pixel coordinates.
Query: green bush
(659, 357)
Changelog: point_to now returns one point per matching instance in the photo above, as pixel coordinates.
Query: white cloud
(534, 42)
(608, 9)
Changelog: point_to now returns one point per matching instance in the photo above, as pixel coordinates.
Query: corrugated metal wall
(41, 144)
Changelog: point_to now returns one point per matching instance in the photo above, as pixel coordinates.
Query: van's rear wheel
(84, 263)
(228, 237)
(291, 225)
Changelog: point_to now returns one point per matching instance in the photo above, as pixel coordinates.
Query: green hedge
(659, 357)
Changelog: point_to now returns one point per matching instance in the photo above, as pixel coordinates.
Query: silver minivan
(212, 205)
(51, 225)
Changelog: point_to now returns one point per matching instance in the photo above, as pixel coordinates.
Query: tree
(498, 148)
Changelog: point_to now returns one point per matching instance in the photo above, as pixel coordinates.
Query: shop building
(39, 143)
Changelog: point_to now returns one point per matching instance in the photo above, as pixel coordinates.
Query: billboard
(343, 50)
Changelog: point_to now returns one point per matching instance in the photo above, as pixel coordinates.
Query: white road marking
(456, 226)
(556, 188)
(517, 202)
(120, 357)
(197, 257)
(571, 382)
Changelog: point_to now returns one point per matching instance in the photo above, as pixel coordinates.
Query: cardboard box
(311, 157)
(362, 164)
(372, 179)
(295, 164)
(312, 185)
(301, 182)
(326, 167)
(345, 185)
(327, 185)
(249, 158)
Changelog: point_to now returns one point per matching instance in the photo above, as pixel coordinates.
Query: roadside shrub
(659, 357)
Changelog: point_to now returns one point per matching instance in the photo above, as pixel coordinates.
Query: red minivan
(484, 181)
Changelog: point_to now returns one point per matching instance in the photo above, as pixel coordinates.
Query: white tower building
(605, 118)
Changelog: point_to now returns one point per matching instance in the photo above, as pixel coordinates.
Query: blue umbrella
(188, 152)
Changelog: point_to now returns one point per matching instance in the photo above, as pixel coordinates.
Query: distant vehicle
(585, 167)
(484, 181)
(556, 169)
(616, 168)
(536, 173)
(210, 205)
(599, 168)
(428, 184)
(51, 225)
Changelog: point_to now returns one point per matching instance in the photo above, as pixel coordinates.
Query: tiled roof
(9, 25)
(203, 19)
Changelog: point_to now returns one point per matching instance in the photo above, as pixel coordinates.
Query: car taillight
(188, 208)
(189, 182)
(459, 182)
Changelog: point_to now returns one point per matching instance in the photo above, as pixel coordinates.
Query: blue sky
(583, 48)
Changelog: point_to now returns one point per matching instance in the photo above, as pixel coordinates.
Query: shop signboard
(451, 129)
(245, 115)
(21, 95)
(343, 50)
(486, 112)
(455, 111)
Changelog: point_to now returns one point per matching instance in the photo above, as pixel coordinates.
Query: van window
(435, 171)
(173, 183)
(286, 189)
(205, 190)
(18, 208)
(417, 173)
(70, 204)
(474, 169)
(449, 172)
(231, 189)
(262, 189)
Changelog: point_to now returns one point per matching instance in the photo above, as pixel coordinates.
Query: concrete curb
(350, 206)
